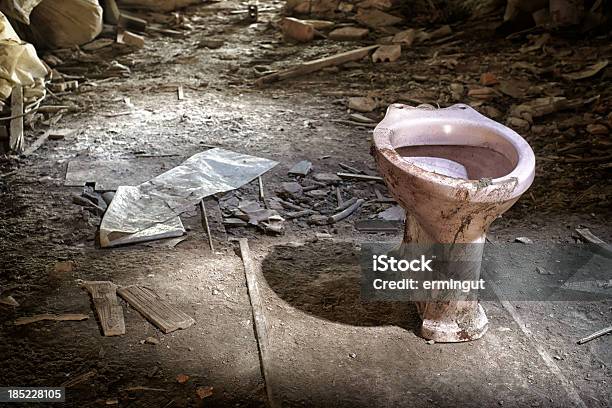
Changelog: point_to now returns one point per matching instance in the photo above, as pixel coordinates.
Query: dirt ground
(327, 347)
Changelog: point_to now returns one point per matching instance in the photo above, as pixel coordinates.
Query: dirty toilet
(454, 171)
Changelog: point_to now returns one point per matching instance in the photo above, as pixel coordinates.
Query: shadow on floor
(323, 279)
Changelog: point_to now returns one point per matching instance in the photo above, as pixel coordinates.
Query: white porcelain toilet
(454, 171)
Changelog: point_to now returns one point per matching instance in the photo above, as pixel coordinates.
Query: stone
(597, 129)
(182, 378)
(491, 112)
(349, 34)
(292, 189)
(375, 18)
(204, 392)
(301, 168)
(328, 178)
(387, 53)
(405, 38)
(362, 104)
(297, 30)
(488, 78)
(518, 123)
(357, 117)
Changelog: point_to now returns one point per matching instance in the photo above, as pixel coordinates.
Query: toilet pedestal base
(444, 323)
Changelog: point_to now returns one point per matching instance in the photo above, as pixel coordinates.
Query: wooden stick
(16, 126)
(350, 168)
(588, 236)
(317, 65)
(595, 335)
(360, 176)
(262, 196)
(339, 197)
(206, 225)
(259, 317)
(350, 210)
(63, 317)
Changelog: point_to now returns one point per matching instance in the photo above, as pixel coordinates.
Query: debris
(204, 392)
(543, 271)
(352, 355)
(106, 304)
(588, 236)
(320, 24)
(79, 379)
(405, 38)
(360, 177)
(150, 210)
(182, 378)
(254, 214)
(430, 342)
(151, 340)
(588, 72)
(361, 118)
(40, 317)
(16, 141)
(180, 93)
(292, 189)
(297, 30)
(211, 43)
(523, 240)
(597, 129)
(327, 178)
(362, 103)
(350, 168)
(346, 204)
(316, 65)
(131, 39)
(387, 53)
(129, 22)
(166, 317)
(298, 214)
(349, 34)
(482, 93)
(301, 168)
(158, 5)
(488, 78)
(206, 226)
(59, 134)
(595, 335)
(518, 123)
(37, 144)
(108, 197)
(345, 213)
(64, 267)
(375, 18)
(9, 301)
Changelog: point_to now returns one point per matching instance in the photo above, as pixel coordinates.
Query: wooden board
(166, 317)
(16, 126)
(259, 317)
(317, 65)
(108, 309)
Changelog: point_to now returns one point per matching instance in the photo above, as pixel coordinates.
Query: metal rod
(205, 225)
(595, 335)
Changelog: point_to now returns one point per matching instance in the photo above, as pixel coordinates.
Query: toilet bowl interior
(477, 162)
(482, 151)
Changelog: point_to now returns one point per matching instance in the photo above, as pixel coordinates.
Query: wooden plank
(39, 142)
(108, 309)
(261, 328)
(63, 317)
(317, 65)
(166, 317)
(16, 126)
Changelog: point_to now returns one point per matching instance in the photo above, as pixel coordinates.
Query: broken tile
(328, 178)
(376, 18)
(297, 30)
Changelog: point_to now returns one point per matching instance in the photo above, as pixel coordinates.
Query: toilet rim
(504, 188)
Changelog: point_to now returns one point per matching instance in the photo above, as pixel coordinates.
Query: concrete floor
(324, 346)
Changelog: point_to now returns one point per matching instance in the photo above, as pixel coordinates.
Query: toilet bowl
(454, 171)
